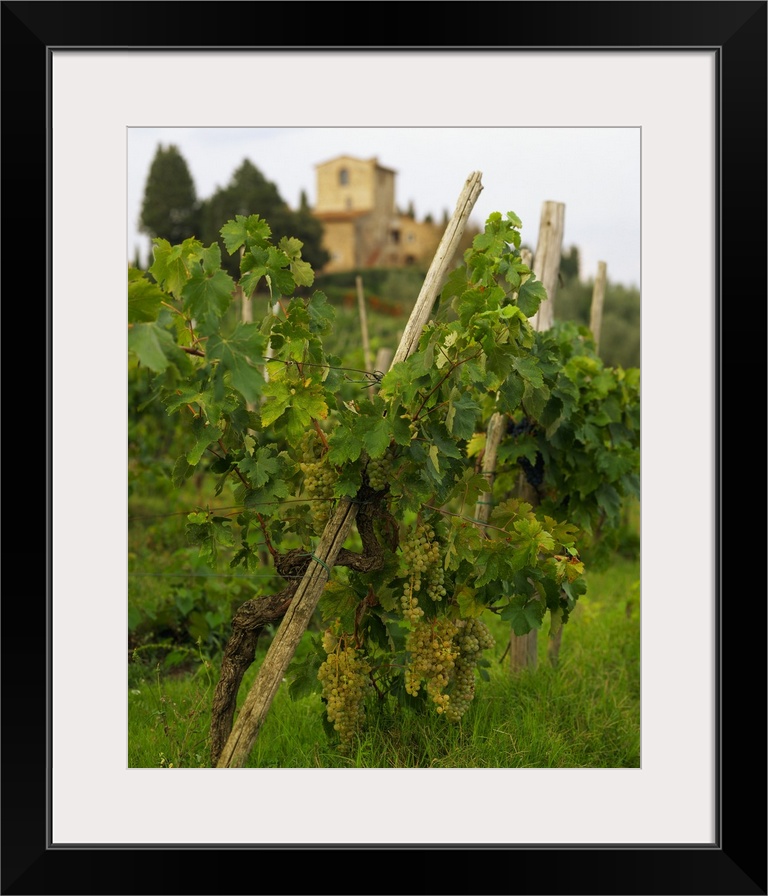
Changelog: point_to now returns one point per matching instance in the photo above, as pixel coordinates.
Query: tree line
(171, 210)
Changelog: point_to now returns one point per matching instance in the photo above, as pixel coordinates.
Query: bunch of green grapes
(379, 469)
(319, 480)
(345, 679)
(472, 637)
(433, 654)
(423, 561)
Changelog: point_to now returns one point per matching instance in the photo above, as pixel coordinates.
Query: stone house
(362, 228)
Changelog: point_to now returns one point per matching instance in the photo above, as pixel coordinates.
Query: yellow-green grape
(423, 559)
(345, 680)
(435, 587)
(472, 637)
(463, 690)
(432, 658)
(378, 471)
(409, 604)
(319, 480)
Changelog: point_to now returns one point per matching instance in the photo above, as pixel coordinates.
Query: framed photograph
(692, 818)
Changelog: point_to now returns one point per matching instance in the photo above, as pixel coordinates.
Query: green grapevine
(287, 434)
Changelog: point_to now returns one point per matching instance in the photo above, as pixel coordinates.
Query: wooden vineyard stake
(523, 649)
(598, 298)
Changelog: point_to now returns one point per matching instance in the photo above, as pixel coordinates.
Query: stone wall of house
(356, 203)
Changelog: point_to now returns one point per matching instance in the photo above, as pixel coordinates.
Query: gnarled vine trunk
(252, 616)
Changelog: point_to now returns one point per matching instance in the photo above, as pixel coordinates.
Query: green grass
(584, 713)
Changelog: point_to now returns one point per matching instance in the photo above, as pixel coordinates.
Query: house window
(348, 202)
(343, 177)
(395, 236)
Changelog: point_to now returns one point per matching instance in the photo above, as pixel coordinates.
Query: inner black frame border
(736, 863)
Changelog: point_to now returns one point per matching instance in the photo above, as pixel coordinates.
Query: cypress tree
(169, 209)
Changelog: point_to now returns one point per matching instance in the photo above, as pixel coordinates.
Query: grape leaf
(400, 384)
(173, 265)
(523, 614)
(470, 303)
(298, 405)
(511, 393)
(529, 370)
(348, 483)
(238, 355)
(617, 463)
(455, 283)
(301, 270)
(609, 500)
(530, 296)
(433, 457)
(144, 298)
(535, 399)
(266, 499)
(468, 604)
(144, 340)
(204, 434)
(155, 348)
(207, 296)
(462, 415)
(267, 263)
(321, 314)
(251, 231)
(344, 445)
(377, 435)
(261, 467)
(182, 470)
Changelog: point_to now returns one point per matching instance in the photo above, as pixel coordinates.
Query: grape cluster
(345, 679)
(472, 638)
(378, 471)
(422, 557)
(319, 480)
(444, 654)
(534, 473)
(432, 657)
(519, 427)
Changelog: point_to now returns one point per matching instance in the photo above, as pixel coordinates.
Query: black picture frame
(735, 863)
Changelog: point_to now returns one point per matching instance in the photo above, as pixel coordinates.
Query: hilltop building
(363, 229)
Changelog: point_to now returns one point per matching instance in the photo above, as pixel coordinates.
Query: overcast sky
(595, 172)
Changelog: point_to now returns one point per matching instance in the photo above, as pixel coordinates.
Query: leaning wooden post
(523, 649)
(598, 297)
(283, 647)
(433, 282)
